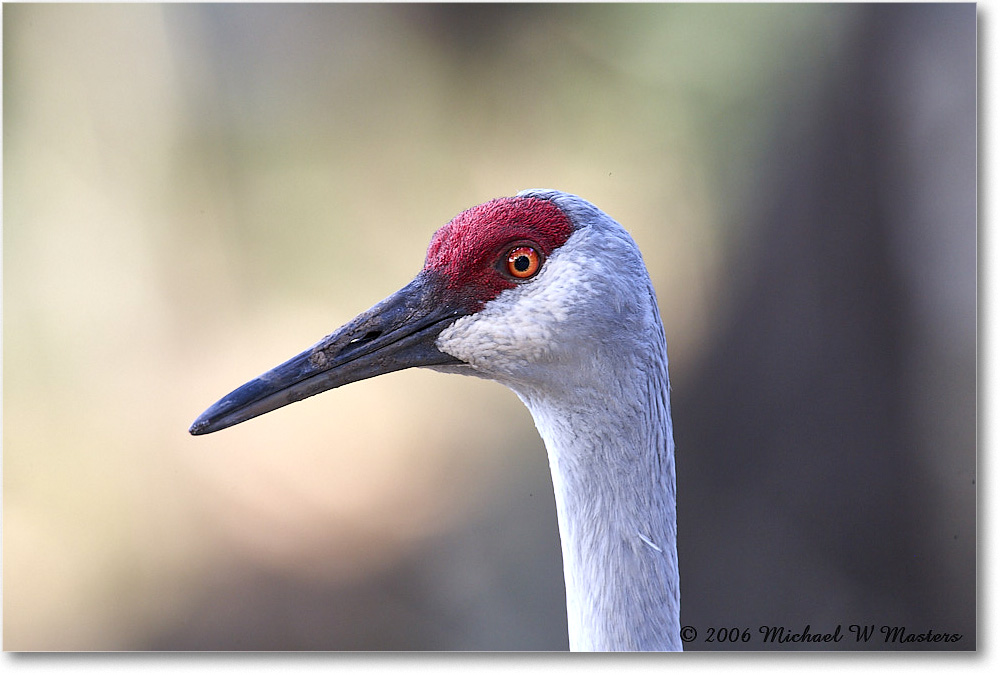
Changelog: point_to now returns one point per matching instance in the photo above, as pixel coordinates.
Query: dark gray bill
(397, 333)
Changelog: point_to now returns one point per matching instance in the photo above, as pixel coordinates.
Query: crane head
(519, 289)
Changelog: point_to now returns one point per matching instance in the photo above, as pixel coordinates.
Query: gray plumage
(599, 395)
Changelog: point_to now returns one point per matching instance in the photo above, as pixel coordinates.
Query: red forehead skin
(465, 251)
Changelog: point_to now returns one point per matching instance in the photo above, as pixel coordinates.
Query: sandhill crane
(546, 294)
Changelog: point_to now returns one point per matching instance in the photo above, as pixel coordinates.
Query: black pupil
(521, 263)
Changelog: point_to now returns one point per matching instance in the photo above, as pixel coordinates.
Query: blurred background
(194, 193)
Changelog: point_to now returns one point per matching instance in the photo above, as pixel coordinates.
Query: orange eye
(523, 262)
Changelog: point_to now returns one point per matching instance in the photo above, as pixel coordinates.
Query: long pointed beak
(397, 333)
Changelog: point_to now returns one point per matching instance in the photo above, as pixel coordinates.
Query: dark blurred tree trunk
(812, 439)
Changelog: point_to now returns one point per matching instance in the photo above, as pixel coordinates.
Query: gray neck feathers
(611, 452)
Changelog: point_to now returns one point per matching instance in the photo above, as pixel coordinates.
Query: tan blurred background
(193, 194)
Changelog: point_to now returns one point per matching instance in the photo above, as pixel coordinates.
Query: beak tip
(198, 428)
(203, 425)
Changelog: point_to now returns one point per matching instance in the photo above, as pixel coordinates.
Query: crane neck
(612, 463)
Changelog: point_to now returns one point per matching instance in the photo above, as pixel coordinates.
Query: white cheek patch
(521, 326)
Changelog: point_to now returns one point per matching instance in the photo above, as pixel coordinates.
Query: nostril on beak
(367, 337)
